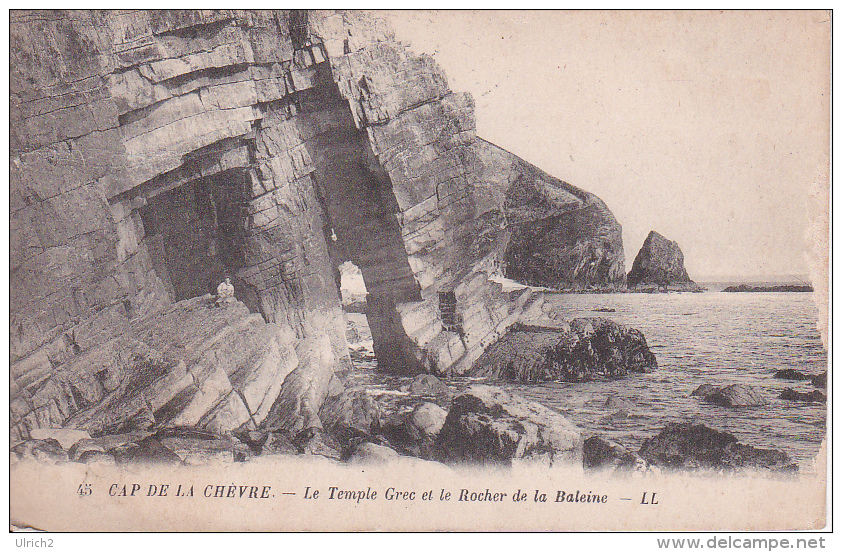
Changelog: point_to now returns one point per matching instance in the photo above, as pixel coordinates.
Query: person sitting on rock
(225, 293)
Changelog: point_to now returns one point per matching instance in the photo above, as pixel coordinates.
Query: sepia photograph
(352, 270)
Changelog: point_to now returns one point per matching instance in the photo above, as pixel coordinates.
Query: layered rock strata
(153, 153)
(660, 264)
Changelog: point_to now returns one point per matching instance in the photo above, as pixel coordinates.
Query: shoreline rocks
(696, 446)
(789, 288)
(487, 425)
(790, 394)
(818, 380)
(598, 453)
(583, 350)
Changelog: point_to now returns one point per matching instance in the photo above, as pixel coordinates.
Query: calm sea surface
(718, 338)
(712, 337)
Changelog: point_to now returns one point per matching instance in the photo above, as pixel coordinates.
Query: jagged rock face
(155, 152)
(559, 236)
(659, 262)
(584, 349)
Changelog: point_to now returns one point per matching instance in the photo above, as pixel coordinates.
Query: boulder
(255, 440)
(660, 262)
(487, 425)
(82, 446)
(695, 446)
(704, 390)
(819, 380)
(278, 443)
(199, 451)
(618, 416)
(428, 419)
(790, 394)
(615, 403)
(118, 440)
(428, 385)
(351, 408)
(583, 350)
(791, 374)
(371, 454)
(414, 434)
(315, 442)
(45, 451)
(735, 395)
(598, 453)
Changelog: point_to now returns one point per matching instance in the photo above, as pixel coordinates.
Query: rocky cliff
(660, 264)
(153, 153)
(557, 235)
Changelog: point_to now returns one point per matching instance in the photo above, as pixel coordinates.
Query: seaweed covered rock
(487, 425)
(583, 350)
(695, 446)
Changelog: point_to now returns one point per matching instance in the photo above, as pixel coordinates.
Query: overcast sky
(711, 128)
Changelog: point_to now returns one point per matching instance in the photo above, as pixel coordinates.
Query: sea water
(712, 337)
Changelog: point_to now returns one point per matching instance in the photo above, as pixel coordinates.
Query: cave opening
(195, 235)
(352, 288)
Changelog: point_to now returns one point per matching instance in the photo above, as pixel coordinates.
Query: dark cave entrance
(195, 235)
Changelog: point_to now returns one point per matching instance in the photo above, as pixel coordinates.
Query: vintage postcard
(305, 270)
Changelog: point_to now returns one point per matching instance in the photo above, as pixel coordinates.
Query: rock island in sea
(659, 265)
